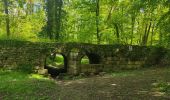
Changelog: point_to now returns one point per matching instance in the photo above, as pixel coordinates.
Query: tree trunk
(153, 27)
(160, 36)
(146, 34)
(7, 17)
(117, 32)
(58, 10)
(133, 22)
(97, 21)
(30, 7)
(110, 13)
(50, 19)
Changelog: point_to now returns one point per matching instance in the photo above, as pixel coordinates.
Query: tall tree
(97, 20)
(58, 17)
(6, 5)
(54, 16)
(50, 18)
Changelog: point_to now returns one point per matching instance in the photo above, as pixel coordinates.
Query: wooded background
(134, 22)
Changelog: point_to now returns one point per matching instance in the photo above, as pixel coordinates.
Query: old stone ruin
(101, 58)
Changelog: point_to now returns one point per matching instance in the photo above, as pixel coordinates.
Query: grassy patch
(17, 85)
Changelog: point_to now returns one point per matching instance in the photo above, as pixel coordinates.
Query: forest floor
(143, 84)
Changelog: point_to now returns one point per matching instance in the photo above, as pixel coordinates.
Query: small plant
(162, 87)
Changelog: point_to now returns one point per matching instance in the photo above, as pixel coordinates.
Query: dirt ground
(131, 85)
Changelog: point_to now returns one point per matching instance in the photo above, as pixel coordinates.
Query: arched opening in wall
(94, 58)
(85, 60)
(90, 63)
(56, 64)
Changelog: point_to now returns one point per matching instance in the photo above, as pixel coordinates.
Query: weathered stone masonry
(101, 57)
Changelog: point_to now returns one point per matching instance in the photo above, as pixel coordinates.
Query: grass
(17, 85)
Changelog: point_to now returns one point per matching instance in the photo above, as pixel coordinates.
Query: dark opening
(94, 58)
(56, 64)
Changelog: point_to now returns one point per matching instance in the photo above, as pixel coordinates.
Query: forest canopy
(134, 22)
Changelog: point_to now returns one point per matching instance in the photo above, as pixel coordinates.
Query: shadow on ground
(133, 85)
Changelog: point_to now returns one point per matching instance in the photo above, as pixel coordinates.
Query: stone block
(43, 71)
(131, 62)
(108, 68)
(72, 69)
(115, 58)
(109, 58)
(139, 62)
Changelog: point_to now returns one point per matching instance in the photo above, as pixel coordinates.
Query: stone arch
(94, 61)
(93, 57)
(56, 70)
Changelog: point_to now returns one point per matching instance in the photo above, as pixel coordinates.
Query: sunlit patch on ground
(158, 94)
(37, 76)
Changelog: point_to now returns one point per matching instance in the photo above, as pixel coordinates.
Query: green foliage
(135, 22)
(23, 26)
(59, 59)
(116, 24)
(55, 61)
(85, 60)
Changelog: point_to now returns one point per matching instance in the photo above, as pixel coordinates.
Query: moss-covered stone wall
(17, 53)
(101, 57)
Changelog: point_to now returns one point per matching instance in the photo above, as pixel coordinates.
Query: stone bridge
(101, 57)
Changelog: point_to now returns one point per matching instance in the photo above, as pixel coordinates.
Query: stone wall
(101, 57)
(127, 57)
(16, 53)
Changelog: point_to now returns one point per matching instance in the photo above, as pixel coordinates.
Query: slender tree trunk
(6, 4)
(153, 28)
(30, 7)
(133, 22)
(160, 36)
(110, 13)
(97, 21)
(117, 32)
(138, 31)
(146, 34)
(148, 31)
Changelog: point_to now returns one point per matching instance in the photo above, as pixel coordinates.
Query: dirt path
(135, 85)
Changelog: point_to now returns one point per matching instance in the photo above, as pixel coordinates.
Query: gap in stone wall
(85, 60)
(56, 64)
